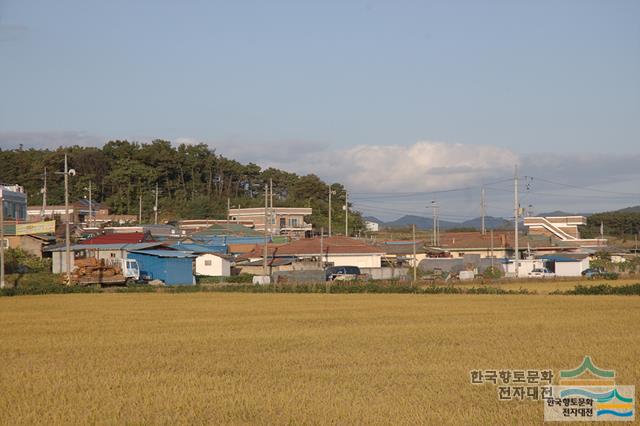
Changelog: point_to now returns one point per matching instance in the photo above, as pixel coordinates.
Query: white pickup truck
(541, 273)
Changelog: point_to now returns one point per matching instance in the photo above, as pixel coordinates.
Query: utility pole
(438, 225)
(228, 209)
(434, 236)
(155, 207)
(1, 238)
(44, 195)
(415, 263)
(90, 205)
(346, 214)
(271, 221)
(331, 191)
(492, 258)
(266, 252)
(140, 207)
(482, 210)
(322, 247)
(516, 209)
(67, 238)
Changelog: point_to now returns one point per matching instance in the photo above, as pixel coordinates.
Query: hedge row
(603, 289)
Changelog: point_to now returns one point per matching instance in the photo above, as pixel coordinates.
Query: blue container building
(170, 266)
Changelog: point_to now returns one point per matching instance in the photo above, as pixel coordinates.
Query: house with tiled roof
(339, 251)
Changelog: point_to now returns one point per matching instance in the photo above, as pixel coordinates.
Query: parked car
(593, 272)
(541, 273)
(599, 273)
(342, 273)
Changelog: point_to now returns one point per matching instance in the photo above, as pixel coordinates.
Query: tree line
(194, 181)
(619, 223)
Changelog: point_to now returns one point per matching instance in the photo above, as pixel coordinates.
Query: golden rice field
(295, 359)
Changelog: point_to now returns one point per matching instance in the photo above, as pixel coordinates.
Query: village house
(331, 251)
(80, 212)
(501, 244)
(280, 220)
(211, 260)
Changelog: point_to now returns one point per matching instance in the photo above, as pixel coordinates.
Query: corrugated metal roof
(222, 229)
(116, 238)
(576, 257)
(199, 248)
(128, 247)
(166, 253)
(278, 261)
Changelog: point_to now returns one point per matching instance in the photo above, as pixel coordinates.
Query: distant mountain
(490, 222)
(634, 209)
(561, 213)
(420, 222)
(557, 213)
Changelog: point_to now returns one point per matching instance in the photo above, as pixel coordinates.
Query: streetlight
(67, 172)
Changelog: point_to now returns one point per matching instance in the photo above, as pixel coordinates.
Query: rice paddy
(296, 358)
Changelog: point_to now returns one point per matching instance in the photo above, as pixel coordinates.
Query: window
(293, 222)
(5, 243)
(207, 263)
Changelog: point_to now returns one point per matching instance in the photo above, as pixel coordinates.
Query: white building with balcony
(280, 220)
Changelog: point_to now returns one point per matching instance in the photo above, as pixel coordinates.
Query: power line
(377, 195)
(586, 188)
(413, 212)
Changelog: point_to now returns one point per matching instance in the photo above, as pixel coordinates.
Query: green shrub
(492, 272)
(234, 279)
(18, 261)
(46, 289)
(602, 289)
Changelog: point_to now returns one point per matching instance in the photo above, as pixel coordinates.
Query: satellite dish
(72, 172)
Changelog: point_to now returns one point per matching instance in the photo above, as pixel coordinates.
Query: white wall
(571, 269)
(525, 266)
(361, 261)
(218, 266)
(371, 226)
(59, 262)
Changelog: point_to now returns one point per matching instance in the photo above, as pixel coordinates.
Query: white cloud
(421, 166)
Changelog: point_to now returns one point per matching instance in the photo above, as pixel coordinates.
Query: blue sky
(324, 78)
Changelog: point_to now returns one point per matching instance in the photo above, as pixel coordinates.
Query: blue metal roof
(166, 253)
(200, 248)
(558, 258)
